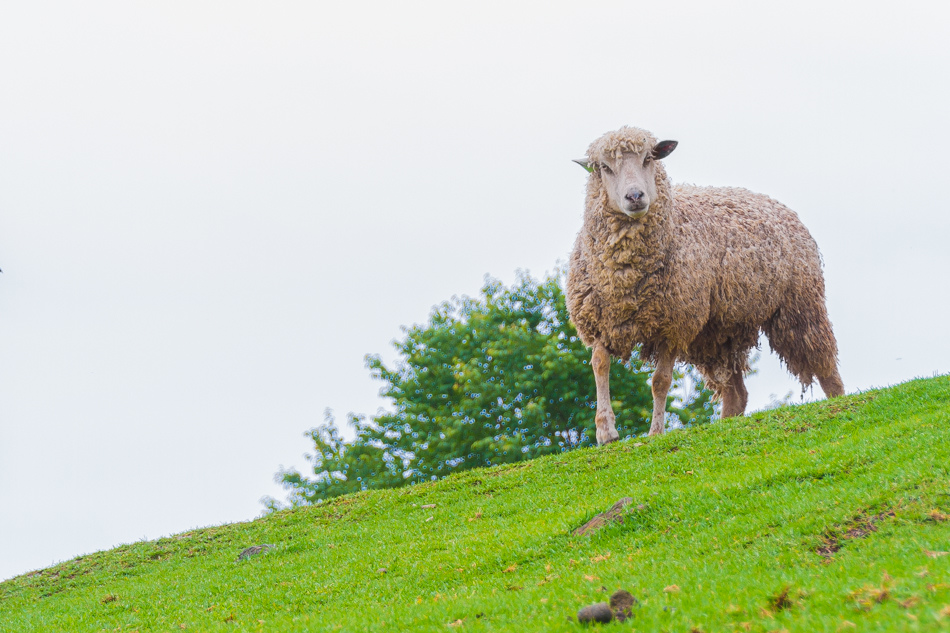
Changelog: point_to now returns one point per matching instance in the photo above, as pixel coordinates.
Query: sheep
(691, 274)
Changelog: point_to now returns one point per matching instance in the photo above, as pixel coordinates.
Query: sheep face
(630, 182)
(625, 163)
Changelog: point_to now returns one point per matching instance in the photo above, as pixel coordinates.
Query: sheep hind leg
(831, 383)
(807, 346)
(604, 420)
(735, 397)
(660, 383)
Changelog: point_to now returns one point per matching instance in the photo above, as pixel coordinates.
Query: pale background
(210, 211)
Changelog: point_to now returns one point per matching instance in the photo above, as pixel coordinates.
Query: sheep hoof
(606, 437)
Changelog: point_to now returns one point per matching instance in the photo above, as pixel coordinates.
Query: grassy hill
(833, 516)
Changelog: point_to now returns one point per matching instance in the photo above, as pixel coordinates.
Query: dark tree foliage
(489, 380)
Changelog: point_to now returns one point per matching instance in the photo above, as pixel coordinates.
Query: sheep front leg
(662, 379)
(604, 420)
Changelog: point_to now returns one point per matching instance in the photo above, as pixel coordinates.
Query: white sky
(209, 212)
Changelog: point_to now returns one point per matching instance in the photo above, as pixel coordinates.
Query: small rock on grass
(615, 513)
(599, 612)
(253, 551)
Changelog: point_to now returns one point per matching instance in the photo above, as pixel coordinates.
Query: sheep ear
(663, 149)
(585, 163)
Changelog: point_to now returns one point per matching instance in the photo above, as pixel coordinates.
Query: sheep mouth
(637, 212)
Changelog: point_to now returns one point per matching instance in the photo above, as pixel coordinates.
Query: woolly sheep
(692, 274)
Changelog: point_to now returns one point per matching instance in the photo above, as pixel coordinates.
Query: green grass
(823, 517)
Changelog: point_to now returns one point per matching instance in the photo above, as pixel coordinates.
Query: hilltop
(831, 516)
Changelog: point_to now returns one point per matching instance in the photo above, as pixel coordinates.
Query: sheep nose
(634, 196)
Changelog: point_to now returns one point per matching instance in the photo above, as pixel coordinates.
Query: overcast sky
(209, 212)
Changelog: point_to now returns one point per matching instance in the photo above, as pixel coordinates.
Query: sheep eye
(605, 168)
(647, 160)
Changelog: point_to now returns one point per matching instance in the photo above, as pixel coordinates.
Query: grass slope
(825, 517)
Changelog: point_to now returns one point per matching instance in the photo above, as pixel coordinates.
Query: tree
(494, 379)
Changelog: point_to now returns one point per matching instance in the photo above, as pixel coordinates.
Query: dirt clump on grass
(859, 527)
(622, 603)
(784, 600)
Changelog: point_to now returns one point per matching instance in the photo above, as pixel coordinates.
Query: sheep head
(625, 164)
